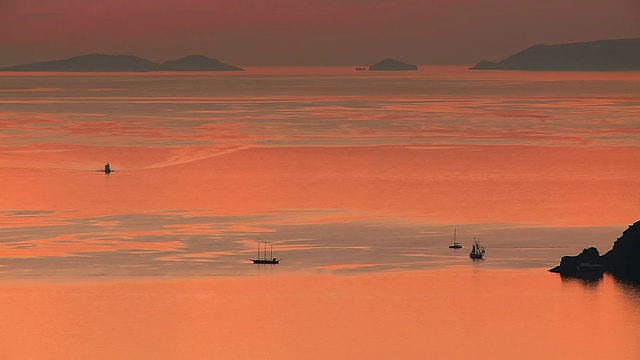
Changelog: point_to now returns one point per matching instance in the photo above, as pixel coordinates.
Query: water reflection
(406, 315)
(632, 291)
(586, 282)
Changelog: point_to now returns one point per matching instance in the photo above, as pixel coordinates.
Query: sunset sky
(305, 32)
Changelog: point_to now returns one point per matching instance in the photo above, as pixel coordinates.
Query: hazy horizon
(305, 33)
(160, 61)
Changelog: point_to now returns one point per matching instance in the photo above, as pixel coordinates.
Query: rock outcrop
(622, 261)
(576, 266)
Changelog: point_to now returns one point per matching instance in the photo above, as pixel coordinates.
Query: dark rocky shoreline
(622, 261)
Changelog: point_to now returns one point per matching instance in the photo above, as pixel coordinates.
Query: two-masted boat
(477, 250)
(455, 244)
(264, 259)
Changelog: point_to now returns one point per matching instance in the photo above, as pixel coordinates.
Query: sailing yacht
(477, 250)
(264, 259)
(455, 244)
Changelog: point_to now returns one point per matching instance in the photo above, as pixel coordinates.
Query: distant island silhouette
(124, 63)
(602, 55)
(390, 64)
(197, 63)
(622, 261)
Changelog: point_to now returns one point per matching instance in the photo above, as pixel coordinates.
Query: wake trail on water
(35, 161)
(187, 157)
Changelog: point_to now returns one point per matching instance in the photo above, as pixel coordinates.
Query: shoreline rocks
(622, 261)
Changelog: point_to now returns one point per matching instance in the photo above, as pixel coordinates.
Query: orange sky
(305, 32)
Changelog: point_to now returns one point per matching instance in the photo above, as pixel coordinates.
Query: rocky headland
(622, 261)
(602, 55)
(124, 63)
(390, 64)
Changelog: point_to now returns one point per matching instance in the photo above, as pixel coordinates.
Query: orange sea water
(346, 173)
(438, 314)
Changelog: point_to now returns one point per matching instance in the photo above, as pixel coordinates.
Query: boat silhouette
(264, 259)
(477, 250)
(455, 244)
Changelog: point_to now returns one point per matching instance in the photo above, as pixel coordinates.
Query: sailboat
(477, 250)
(454, 244)
(264, 260)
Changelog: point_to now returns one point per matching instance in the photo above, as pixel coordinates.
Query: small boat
(264, 259)
(477, 250)
(361, 68)
(455, 244)
(107, 169)
(588, 271)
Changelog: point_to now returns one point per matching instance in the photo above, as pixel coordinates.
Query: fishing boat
(455, 244)
(264, 259)
(477, 250)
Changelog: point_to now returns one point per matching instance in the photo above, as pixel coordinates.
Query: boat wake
(188, 156)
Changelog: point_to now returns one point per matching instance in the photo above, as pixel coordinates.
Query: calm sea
(358, 180)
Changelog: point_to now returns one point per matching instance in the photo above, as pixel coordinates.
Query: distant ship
(361, 68)
(264, 260)
(107, 169)
(455, 244)
(477, 250)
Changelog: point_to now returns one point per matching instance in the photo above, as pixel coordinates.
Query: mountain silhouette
(602, 55)
(390, 64)
(123, 63)
(197, 63)
(88, 63)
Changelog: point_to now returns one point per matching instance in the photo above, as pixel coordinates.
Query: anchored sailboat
(264, 259)
(454, 244)
(477, 250)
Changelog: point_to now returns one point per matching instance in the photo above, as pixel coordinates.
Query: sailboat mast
(258, 250)
(271, 252)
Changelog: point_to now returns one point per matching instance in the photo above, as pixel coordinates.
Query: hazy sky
(305, 32)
